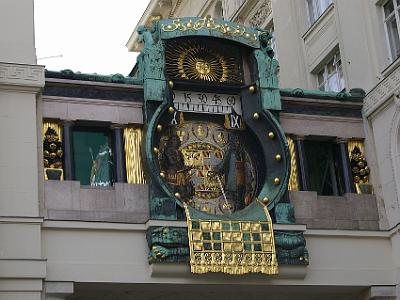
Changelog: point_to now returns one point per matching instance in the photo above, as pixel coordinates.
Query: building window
(316, 8)
(93, 158)
(392, 21)
(323, 160)
(330, 78)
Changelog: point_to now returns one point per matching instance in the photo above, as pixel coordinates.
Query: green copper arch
(156, 91)
(271, 146)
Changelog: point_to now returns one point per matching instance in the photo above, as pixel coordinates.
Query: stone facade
(61, 240)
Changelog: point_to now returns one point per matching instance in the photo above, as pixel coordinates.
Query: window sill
(390, 68)
(318, 21)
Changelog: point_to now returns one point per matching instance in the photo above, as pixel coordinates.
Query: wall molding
(382, 92)
(22, 75)
(259, 15)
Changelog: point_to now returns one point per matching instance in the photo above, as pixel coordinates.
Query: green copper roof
(114, 78)
(354, 95)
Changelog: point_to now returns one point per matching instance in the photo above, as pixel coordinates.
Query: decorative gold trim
(134, 168)
(293, 184)
(57, 128)
(358, 179)
(210, 24)
(231, 246)
(194, 60)
(53, 125)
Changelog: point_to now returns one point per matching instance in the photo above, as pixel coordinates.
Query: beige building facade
(62, 239)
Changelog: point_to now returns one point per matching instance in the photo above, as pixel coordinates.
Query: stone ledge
(183, 270)
(22, 268)
(21, 75)
(348, 212)
(123, 203)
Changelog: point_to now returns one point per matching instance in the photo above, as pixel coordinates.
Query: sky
(90, 35)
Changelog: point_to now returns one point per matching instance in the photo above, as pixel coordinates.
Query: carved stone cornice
(259, 15)
(21, 76)
(382, 92)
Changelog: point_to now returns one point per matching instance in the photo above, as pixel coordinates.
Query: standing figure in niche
(177, 174)
(233, 167)
(100, 174)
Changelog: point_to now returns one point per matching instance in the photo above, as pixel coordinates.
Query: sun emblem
(201, 61)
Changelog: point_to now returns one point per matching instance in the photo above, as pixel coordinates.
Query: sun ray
(195, 60)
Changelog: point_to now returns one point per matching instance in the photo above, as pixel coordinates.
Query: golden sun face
(193, 60)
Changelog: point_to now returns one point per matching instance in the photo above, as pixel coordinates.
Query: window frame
(396, 13)
(315, 10)
(333, 172)
(94, 128)
(326, 76)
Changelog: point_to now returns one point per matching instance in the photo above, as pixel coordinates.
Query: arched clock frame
(259, 94)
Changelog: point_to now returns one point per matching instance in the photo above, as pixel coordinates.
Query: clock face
(207, 160)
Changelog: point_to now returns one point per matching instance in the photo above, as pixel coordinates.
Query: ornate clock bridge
(214, 148)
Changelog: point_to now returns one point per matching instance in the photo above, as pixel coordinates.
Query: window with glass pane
(391, 15)
(330, 78)
(316, 8)
(93, 160)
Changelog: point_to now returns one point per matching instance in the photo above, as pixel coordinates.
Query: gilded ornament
(155, 149)
(171, 110)
(159, 127)
(278, 157)
(271, 135)
(265, 200)
(162, 174)
(177, 195)
(277, 181)
(199, 61)
(171, 84)
(256, 116)
(212, 25)
(252, 89)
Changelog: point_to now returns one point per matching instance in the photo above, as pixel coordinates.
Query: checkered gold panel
(231, 246)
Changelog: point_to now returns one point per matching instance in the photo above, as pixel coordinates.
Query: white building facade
(67, 240)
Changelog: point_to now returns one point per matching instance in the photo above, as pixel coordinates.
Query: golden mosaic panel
(232, 247)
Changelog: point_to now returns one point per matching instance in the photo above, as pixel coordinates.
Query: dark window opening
(323, 161)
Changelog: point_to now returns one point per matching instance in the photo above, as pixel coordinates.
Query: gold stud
(177, 195)
(265, 200)
(277, 181)
(256, 116)
(159, 127)
(252, 89)
(278, 157)
(162, 174)
(155, 149)
(171, 84)
(271, 135)
(171, 109)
